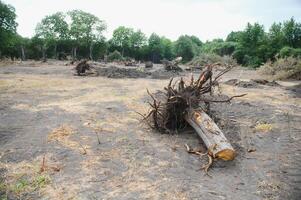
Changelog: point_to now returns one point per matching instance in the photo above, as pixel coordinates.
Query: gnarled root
(208, 165)
(201, 154)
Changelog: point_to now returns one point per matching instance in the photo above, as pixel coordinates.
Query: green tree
(219, 47)
(85, 28)
(276, 38)
(168, 48)
(51, 29)
(138, 41)
(234, 36)
(100, 49)
(155, 48)
(8, 27)
(292, 33)
(186, 48)
(36, 47)
(196, 40)
(20, 45)
(252, 46)
(122, 38)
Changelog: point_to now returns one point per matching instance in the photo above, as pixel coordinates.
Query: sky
(206, 19)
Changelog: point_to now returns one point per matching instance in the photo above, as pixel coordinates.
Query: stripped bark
(217, 144)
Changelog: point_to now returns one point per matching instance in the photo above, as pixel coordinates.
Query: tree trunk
(74, 53)
(44, 54)
(23, 58)
(91, 51)
(214, 139)
(55, 51)
(153, 58)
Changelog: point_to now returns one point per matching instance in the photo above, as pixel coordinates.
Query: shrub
(115, 56)
(205, 59)
(289, 51)
(252, 61)
(283, 68)
(219, 47)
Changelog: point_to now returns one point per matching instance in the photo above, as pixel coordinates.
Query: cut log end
(216, 142)
(226, 154)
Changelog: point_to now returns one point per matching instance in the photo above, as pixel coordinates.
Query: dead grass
(274, 96)
(205, 59)
(263, 127)
(59, 134)
(283, 68)
(63, 135)
(8, 61)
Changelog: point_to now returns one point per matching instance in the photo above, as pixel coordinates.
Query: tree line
(78, 34)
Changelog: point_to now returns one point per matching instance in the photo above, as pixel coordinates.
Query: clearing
(79, 137)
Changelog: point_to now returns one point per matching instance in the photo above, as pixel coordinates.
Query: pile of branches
(131, 63)
(169, 107)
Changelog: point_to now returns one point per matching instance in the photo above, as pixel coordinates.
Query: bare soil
(94, 146)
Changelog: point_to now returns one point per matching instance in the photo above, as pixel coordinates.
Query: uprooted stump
(179, 106)
(82, 67)
(172, 65)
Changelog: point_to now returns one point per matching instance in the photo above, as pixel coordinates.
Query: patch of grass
(264, 127)
(3, 191)
(27, 185)
(20, 186)
(2, 187)
(24, 178)
(40, 181)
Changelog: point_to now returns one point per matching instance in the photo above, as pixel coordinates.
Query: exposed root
(199, 153)
(208, 165)
(167, 111)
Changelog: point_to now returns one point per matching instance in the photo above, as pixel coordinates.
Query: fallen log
(217, 144)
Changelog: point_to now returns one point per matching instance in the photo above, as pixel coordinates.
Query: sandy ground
(94, 147)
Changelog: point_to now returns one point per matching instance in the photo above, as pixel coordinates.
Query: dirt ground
(79, 137)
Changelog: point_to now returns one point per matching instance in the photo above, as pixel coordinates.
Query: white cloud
(206, 19)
